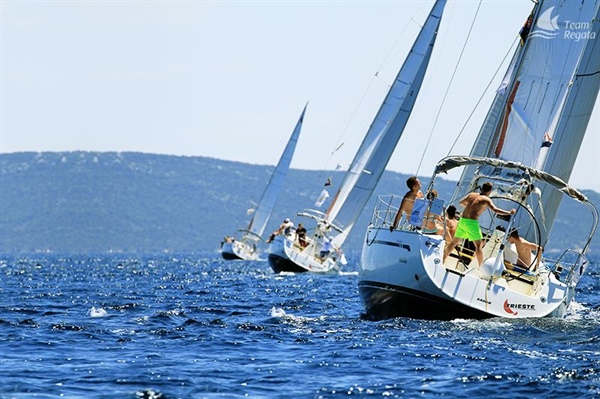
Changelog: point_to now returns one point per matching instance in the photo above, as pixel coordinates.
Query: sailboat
(525, 149)
(245, 247)
(286, 253)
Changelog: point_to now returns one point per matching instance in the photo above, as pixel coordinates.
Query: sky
(229, 79)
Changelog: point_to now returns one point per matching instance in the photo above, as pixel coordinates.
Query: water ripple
(182, 326)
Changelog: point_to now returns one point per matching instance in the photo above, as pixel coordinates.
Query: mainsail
(579, 104)
(383, 134)
(269, 197)
(543, 101)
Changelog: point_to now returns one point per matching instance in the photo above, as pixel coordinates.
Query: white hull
(285, 255)
(402, 275)
(238, 250)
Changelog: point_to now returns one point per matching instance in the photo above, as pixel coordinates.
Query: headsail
(269, 197)
(541, 83)
(385, 131)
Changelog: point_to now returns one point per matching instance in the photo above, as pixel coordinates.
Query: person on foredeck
(468, 225)
(285, 228)
(524, 248)
(408, 201)
(326, 247)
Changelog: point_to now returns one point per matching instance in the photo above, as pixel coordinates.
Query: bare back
(475, 204)
(524, 249)
(408, 201)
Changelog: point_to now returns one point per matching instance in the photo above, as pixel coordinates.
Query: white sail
(577, 110)
(541, 97)
(271, 194)
(385, 131)
(245, 248)
(288, 254)
(539, 86)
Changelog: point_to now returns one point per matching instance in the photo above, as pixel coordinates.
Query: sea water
(189, 326)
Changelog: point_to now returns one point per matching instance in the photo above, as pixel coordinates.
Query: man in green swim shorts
(469, 229)
(468, 225)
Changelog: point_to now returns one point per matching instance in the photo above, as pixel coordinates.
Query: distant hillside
(84, 202)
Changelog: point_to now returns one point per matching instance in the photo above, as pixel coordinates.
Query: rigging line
(448, 88)
(354, 113)
(483, 94)
(376, 76)
(394, 47)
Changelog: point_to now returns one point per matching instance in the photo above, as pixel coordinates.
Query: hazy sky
(229, 79)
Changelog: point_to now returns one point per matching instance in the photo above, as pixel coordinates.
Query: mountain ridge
(98, 202)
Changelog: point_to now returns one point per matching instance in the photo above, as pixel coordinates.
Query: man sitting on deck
(524, 249)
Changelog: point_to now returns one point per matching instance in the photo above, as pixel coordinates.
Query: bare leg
(479, 251)
(450, 247)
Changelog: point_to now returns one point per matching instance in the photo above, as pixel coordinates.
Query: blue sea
(167, 326)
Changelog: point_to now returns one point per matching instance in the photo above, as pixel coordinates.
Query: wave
(97, 312)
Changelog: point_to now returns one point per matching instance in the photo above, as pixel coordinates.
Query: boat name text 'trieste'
(521, 306)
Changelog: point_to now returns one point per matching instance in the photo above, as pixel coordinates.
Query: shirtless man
(406, 206)
(524, 249)
(468, 225)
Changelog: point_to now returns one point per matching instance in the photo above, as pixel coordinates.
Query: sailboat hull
(286, 256)
(229, 256)
(402, 275)
(393, 282)
(238, 250)
(383, 301)
(283, 264)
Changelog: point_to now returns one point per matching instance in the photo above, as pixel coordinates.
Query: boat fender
(489, 269)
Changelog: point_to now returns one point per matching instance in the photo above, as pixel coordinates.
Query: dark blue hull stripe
(279, 264)
(384, 301)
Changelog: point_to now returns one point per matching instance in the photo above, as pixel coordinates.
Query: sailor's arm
(501, 211)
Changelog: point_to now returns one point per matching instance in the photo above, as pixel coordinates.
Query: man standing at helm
(468, 225)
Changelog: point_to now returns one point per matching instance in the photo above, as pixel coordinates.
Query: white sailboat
(285, 252)
(245, 246)
(526, 148)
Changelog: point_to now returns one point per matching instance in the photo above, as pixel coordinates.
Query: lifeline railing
(384, 212)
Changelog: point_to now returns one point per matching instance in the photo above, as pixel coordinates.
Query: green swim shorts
(469, 229)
